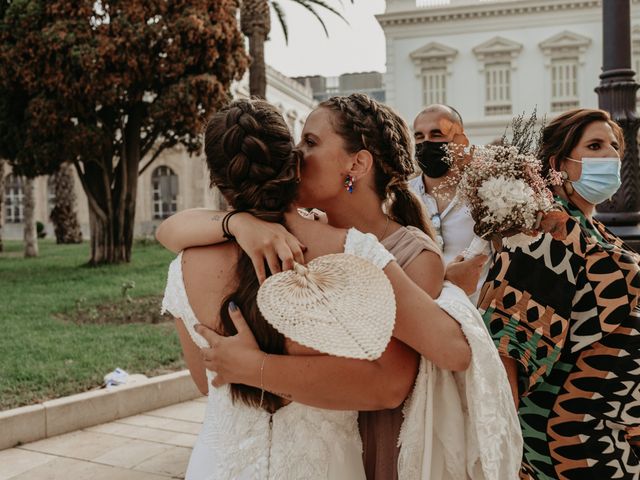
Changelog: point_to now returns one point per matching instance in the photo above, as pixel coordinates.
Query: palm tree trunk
(30, 233)
(64, 215)
(255, 23)
(258, 67)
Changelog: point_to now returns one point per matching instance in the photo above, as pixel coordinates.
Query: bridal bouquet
(504, 188)
(505, 192)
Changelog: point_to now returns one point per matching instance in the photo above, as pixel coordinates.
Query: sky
(357, 47)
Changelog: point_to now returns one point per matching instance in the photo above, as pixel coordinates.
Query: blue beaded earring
(348, 183)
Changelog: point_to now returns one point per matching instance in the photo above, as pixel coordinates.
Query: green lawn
(45, 352)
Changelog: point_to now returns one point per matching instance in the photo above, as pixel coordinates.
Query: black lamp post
(617, 95)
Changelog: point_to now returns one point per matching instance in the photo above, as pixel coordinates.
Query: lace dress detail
(238, 442)
(367, 246)
(475, 433)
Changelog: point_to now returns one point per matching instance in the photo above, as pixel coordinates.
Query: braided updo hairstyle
(365, 124)
(250, 155)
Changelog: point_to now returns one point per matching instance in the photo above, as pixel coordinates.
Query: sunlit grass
(43, 354)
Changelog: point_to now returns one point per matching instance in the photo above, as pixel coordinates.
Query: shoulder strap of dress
(176, 302)
(408, 243)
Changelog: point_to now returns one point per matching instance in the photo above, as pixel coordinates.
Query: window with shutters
(434, 86)
(564, 83)
(498, 61)
(433, 65)
(13, 199)
(164, 188)
(497, 89)
(565, 54)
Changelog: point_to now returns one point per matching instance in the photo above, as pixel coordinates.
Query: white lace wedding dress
(463, 425)
(297, 442)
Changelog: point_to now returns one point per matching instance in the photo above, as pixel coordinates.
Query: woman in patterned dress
(564, 316)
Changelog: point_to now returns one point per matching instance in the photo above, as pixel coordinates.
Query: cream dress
(295, 443)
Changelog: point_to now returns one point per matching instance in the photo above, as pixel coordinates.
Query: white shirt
(454, 228)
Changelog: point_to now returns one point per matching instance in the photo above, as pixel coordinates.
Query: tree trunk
(111, 194)
(258, 68)
(64, 215)
(2, 174)
(30, 233)
(255, 23)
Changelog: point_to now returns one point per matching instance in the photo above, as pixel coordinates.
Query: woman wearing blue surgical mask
(564, 316)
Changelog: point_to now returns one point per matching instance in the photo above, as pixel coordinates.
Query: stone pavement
(152, 446)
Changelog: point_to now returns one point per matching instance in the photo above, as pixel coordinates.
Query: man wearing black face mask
(451, 219)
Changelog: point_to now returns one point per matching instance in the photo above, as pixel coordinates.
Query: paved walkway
(152, 446)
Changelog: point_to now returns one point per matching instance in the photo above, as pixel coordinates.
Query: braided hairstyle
(365, 124)
(250, 155)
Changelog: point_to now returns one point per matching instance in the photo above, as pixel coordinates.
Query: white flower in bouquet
(501, 195)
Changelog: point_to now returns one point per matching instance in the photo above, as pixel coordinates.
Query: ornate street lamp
(617, 95)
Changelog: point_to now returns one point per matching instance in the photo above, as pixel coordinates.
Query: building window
(332, 85)
(434, 86)
(13, 199)
(164, 186)
(498, 89)
(498, 60)
(564, 84)
(565, 54)
(432, 66)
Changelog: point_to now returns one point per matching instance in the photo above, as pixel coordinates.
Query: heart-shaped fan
(338, 304)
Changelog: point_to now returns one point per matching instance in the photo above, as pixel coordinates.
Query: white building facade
(493, 59)
(175, 181)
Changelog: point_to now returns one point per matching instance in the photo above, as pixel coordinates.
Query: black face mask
(432, 158)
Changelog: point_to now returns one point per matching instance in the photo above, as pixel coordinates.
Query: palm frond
(311, 6)
(282, 19)
(326, 6)
(307, 5)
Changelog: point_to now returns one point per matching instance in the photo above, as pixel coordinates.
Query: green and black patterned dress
(567, 312)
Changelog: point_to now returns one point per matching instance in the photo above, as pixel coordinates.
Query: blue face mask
(599, 180)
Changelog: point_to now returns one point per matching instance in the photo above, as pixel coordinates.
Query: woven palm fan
(338, 304)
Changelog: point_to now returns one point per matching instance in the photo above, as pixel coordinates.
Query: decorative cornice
(497, 47)
(565, 41)
(432, 55)
(433, 50)
(483, 11)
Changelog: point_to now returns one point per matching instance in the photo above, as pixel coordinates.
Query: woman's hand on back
(266, 242)
(234, 359)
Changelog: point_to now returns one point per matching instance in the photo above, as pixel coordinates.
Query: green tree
(110, 84)
(255, 21)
